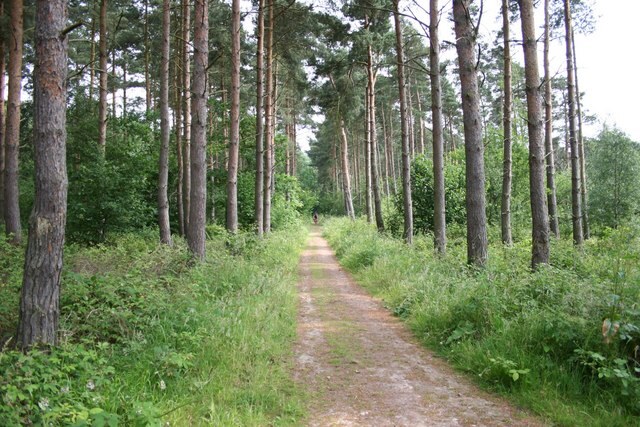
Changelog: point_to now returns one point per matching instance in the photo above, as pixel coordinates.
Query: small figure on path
(315, 217)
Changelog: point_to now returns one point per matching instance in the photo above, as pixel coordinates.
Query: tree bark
(259, 218)
(178, 135)
(92, 54)
(548, 137)
(165, 129)
(507, 112)
(2, 115)
(439, 219)
(406, 154)
(102, 103)
(373, 136)
(186, 113)
(576, 201)
(198, 197)
(268, 158)
(13, 226)
(346, 179)
(39, 300)
(583, 168)
(539, 211)
(474, 148)
(367, 157)
(234, 143)
(147, 74)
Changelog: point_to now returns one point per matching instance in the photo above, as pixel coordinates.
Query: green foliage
(613, 172)
(118, 192)
(570, 330)
(146, 338)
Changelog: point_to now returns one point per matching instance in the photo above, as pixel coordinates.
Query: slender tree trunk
(406, 154)
(198, 197)
(583, 169)
(40, 295)
(259, 218)
(375, 174)
(268, 159)
(548, 137)
(506, 126)
(165, 129)
(2, 115)
(178, 135)
(368, 165)
(186, 113)
(474, 148)
(125, 61)
(576, 201)
(92, 54)
(539, 211)
(147, 75)
(346, 180)
(420, 122)
(386, 154)
(13, 226)
(439, 220)
(102, 103)
(234, 143)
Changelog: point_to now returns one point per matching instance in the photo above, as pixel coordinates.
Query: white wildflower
(91, 385)
(163, 386)
(64, 390)
(44, 403)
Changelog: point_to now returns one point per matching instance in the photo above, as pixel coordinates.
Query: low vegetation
(563, 341)
(148, 338)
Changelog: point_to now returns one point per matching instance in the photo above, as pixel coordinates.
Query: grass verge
(146, 339)
(562, 341)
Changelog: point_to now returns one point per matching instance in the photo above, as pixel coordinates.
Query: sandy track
(362, 367)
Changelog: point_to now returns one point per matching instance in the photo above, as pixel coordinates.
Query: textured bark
(178, 134)
(13, 227)
(39, 300)
(198, 197)
(147, 75)
(583, 168)
(507, 112)
(259, 121)
(576, 199)
(186, 112)
(234, 143)
(548, 136)
(406, 159)
(439, 220)
(474, 148)
(165, 129)
(268, 158)
(537, 191)
(92, 53)
(367, 158)
(2, 114)
(373, 136)
(102, 103)
(346, 179)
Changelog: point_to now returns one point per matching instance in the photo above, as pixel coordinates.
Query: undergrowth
(563, 341)
(148, 339)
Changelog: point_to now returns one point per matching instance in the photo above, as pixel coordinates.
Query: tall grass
(148, 339)
(562, 341)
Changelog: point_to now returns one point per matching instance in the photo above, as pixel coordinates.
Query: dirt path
(363, 368)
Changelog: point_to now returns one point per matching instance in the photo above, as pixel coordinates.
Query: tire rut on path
(362, 367)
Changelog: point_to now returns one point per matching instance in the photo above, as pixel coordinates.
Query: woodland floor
(362, 367)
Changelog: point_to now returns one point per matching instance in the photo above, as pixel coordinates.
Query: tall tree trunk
(178, 134)
(198, 203)
(583, 168)
(548, 136)
(373, 137)
(474, 148)
(102, 103)
(439, 220)
(386, 154)
(40, 296)
(367, 158)
(406, 154)
(234, 143)
(13, 226)
(2, 114)
(420, 122)
(259, 122)
(268, 158)
(346, 180)
(186, 113)
(539, 211)
(147, 75)
(165, 129)
(576, 201)
(92, 54)
(506, 126)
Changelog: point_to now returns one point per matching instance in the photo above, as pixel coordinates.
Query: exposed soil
(362, 367)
